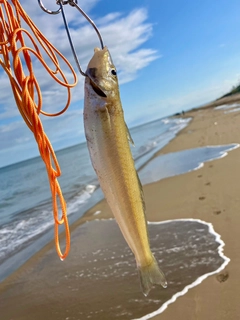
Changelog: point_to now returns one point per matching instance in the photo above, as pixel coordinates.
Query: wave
(31, 223)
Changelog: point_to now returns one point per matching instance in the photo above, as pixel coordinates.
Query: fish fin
(151, 275)
(142, 196)
(129, 135)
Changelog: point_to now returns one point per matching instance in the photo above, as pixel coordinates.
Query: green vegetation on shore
(235, 89)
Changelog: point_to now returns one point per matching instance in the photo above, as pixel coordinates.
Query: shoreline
(209, 194)
(234, 98)
(216, 202)
(200, 279)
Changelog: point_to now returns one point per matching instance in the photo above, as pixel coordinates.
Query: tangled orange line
(26, 87)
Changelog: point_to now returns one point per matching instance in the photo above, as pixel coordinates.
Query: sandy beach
(45, 288)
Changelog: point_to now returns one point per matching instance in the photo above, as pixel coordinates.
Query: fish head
(102, 75)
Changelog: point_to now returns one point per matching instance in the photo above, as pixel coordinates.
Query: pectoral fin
(129, 135)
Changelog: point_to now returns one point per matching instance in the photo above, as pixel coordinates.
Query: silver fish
(108, 143)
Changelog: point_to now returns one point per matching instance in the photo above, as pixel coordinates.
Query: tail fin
(150, 275)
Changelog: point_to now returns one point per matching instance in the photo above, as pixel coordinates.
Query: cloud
(17, 142)
(125, 36)
(65, 132)
(178, 102)
(11, 133)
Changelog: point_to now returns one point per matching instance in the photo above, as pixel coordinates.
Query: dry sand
(210, 194)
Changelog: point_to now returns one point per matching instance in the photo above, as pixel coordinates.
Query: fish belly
(112, 160)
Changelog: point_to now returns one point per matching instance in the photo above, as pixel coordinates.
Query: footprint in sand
(217, 212)
(202, 198)
(208, 184)
(199, 176)
(222, 277)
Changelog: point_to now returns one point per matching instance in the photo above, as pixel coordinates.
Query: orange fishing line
(16, 56)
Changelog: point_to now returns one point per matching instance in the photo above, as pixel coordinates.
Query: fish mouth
(92, 75)
(97, 89)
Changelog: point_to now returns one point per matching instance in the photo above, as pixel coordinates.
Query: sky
(171, 55)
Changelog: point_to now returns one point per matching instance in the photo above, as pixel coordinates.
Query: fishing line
(16, 60)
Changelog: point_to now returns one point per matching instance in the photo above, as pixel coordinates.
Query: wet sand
(40, 290)
(101, 281)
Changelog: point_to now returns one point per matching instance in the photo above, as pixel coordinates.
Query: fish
(108, 140)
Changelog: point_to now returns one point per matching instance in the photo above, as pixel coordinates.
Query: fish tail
(151, 275)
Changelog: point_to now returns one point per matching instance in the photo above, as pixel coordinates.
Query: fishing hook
(72, 3)
(46, 10)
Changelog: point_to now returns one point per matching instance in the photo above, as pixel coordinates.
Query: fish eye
(113, 72)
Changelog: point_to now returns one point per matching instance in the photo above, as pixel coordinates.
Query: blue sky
(171, 55)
